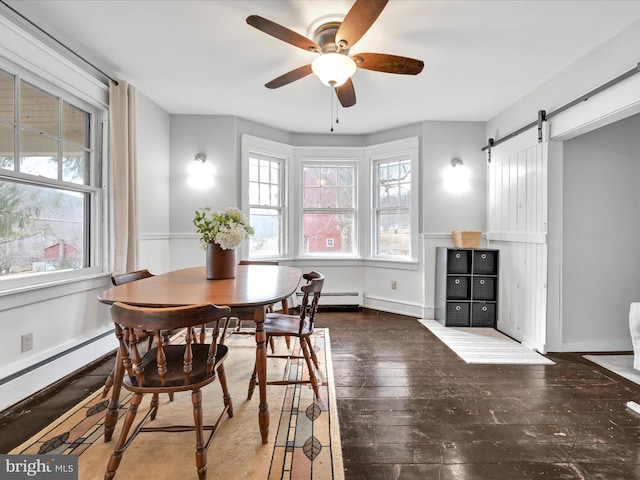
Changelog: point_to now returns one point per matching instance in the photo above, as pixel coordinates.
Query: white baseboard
(600, 345)
(34, 380)
(393, 306)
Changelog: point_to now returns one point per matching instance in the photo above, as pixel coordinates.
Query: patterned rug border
(290, 456)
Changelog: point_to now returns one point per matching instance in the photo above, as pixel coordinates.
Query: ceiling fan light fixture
(333, 69)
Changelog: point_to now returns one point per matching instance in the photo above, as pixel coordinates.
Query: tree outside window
(45, 189)
(392, 204)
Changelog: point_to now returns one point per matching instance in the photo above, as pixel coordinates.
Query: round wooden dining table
(253, 289)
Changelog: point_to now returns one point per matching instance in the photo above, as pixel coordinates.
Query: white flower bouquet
(227, 228)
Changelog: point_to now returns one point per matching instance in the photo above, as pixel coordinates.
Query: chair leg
(121, 445)
(304, 345)
(253, 381)
(108, 383)
(313, 353)
(226, 397)
(154, 406)
(111, 417)
(201, 446)
(224, 330)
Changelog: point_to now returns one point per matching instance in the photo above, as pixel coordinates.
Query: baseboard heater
(337, 300)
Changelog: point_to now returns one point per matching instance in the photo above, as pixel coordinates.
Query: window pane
(264, 170)
(7, 151)
(328, 232)
(312, 197)
(405, 195)
(393, 233)
(41, 229)
(311, 176)
(334, 188)
(38, 155)
(75, 125)
(254, 193)
(275, 196)
(329, 176)
(266, 241)
(275, 173)
(38, 110)
(74, 165)
(345, 176)
(7, 96)
(345, 197)
(253, 170)
(263, 197)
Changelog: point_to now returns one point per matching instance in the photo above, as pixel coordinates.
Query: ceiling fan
(332, 41)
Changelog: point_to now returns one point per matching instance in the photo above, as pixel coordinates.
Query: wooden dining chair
(238, 329)
(121, 280)
(300, 326)
(169, 368)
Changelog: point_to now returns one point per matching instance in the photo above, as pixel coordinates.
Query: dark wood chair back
(140, 375)
(130, 277)
(311, 292)
(258, 262)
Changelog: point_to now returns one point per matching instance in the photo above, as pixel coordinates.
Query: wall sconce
(200, 172)
(456, 177)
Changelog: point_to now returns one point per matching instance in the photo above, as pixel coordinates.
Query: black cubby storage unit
(466, 287)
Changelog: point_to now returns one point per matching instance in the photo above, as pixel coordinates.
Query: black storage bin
(484, 288)
(459, 261)
(457, 314)
(485, 262)
(467, 287)
(484, 315)
(458, 288)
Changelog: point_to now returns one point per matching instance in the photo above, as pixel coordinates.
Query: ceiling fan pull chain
(331, 92)
(337, 108)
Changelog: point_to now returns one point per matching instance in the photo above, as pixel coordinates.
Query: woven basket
(466, 238)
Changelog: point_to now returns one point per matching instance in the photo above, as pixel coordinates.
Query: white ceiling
(200, 57)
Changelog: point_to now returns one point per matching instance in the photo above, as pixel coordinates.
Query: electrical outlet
(26, 342)
(394, 284)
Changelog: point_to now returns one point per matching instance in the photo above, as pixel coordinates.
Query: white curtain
(122, 121)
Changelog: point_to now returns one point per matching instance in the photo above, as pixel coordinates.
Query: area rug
(304, 436)
(485, 345)
(620, 364)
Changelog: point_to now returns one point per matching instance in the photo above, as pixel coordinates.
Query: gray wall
(600, 254)
(439, 211)
(152, 180)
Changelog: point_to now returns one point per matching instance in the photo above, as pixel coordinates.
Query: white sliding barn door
(517, 226)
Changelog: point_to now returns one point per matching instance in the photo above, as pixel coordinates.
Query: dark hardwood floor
(411, 409)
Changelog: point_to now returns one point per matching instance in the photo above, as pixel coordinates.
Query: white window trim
(380, 152)
(353, 155)
(261, 146)
(98, 187)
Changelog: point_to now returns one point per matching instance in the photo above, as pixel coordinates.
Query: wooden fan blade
(289, 77)
(382, 62)
(346, 94)
(357, 21)
(282, 33)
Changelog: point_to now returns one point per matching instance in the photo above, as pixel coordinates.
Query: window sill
(16, 294)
